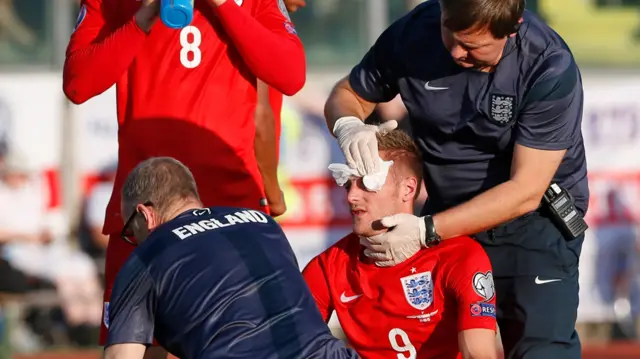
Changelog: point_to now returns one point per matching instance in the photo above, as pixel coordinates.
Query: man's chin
(366, 232)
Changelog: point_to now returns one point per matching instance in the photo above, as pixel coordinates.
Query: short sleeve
(316, 278)
(471, 284)
(374, 78)
(551, 114)
(132, 308)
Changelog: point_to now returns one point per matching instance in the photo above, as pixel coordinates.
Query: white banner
(30, 113)
(97, 133)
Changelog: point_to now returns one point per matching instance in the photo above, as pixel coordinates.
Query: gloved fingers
(375, 247)
(348, 152)
(391, 221)
(356, 155)
(387, 263)
(379, 241)
(387, 126)
(371, 157)
(377, 256)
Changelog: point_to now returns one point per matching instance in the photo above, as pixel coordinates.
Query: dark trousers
(12, 281)
(536, 281)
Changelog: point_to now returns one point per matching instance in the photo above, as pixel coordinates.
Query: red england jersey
(413, 310)
(188, 94)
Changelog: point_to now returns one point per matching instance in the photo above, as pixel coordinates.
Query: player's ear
(410, 186)
(144, 212)
(517, 27)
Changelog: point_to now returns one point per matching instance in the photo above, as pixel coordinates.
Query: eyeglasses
(127, 234)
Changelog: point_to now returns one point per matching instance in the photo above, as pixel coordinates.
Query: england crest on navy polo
(418, 290)
(502, 108)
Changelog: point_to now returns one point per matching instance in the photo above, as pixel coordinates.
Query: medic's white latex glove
(406, 235)
(359, 144)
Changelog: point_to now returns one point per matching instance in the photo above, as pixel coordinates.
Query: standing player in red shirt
(438, 304)
(189, 94)
(267, 140)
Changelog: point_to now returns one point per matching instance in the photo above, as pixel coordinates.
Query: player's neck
(182, 207)
(491, 67)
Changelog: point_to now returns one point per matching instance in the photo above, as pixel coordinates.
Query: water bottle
(176, 14)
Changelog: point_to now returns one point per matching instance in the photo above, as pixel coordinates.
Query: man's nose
(354, 194)
(458, 52)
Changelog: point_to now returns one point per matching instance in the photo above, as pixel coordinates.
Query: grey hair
(161, 181)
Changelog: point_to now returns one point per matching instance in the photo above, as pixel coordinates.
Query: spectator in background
(616, 263)
(92, 241)
(11, 280)
(35, 248)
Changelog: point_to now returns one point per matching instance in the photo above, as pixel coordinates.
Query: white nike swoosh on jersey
(432, 88)
(345, 299)
(540, 281)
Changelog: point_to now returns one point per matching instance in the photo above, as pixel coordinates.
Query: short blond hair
(400, 148)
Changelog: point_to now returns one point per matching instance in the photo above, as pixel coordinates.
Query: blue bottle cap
(176, 17)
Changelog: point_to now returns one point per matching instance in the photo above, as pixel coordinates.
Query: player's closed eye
(357, 181)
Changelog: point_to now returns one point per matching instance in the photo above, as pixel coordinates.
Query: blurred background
(57, 166)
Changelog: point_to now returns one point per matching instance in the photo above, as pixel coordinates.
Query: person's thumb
(391, 221)
(387, 126)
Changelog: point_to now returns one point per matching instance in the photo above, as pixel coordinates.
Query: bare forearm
(267, 158)
(487, 210)
(343, 101)
(124, 351)
(478, 344)
(265, 145)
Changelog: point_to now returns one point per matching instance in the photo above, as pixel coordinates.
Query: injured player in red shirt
(440, 303)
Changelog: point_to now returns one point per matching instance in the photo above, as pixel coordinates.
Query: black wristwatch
(431, 237)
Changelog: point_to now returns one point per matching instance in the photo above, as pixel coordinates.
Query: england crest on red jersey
(418, 290)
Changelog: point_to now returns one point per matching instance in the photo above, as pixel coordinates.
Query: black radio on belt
(564, 213)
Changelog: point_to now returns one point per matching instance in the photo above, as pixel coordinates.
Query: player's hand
(294, 5)
(278, 206)
(147, 15)
(405, 237)
(359, 144)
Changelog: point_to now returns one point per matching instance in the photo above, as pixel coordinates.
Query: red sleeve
(471, 284)
(98, 53)
(268, 44)
(316, 279)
